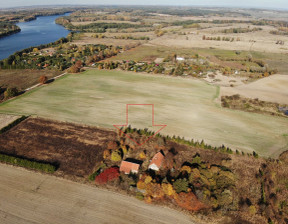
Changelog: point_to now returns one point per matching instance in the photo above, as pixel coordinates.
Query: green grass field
(186, 105)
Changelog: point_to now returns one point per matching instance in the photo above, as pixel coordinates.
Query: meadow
(186, 105)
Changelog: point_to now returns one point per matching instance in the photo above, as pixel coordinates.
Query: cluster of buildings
(132, 165)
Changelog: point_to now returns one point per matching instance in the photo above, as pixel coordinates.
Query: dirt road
(28, 197)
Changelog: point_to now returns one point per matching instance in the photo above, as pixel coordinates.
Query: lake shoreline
(9, 33)
(41, 30)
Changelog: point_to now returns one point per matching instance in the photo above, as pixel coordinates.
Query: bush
(116, 156)
(43, 79)
(180, 185)
(108, 175)
(252, 210)
(139, 196)
(10, 92)
(74, 69)
(97, 172)
(189, 201)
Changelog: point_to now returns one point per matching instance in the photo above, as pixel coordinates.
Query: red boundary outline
(153, 124)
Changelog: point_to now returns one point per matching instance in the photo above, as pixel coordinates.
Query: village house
(156, 161)
(130, 166)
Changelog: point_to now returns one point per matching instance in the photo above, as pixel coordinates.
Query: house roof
(127, 166)
(157, 159)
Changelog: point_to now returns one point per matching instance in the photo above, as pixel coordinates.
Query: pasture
(187, 106)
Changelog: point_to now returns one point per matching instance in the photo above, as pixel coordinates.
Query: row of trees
(241, 30)
(192, 142)
(121, 37)
(231, 39)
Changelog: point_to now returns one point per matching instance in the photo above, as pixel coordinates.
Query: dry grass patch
(6, 119)
(24, 78)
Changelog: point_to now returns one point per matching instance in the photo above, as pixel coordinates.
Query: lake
(43, 30)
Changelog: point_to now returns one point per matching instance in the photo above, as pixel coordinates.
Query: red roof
(128, 167)
(157, 159)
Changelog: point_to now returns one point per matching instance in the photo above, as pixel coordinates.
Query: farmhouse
(156, 161)
(130, 166)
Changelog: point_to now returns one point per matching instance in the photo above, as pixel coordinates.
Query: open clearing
(186, 106)
(28, 197)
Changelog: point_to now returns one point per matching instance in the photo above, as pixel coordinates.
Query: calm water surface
(43, 30)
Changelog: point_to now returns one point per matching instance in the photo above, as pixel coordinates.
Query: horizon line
(143, 5)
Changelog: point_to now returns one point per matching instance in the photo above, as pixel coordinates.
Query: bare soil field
(272, 89)
(185, 105)
(6, 119)
(57, 143)
(28, 197)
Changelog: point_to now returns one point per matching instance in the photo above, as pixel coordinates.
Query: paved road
(28, 197)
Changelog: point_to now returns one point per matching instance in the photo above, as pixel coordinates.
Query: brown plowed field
(75, 148)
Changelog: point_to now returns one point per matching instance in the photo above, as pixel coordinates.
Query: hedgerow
(11, 125)
(45, 167)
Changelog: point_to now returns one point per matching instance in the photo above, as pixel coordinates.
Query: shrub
(255, 154)
(225, 198)
(139, 196)
(186, 169)
(167, 189)
(74, 69)
(225, 179)
(10, 92)
(189, 201)
(43, 79)
(97, 172)
(116, 156)
(107, 175)
(252, 210)
(154, 190)
(180, 185)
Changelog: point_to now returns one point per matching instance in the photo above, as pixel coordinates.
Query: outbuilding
(157, 161)
(129, 166)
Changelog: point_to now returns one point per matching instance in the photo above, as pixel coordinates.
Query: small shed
(180, 59)
(130, 166)
(157, 161)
